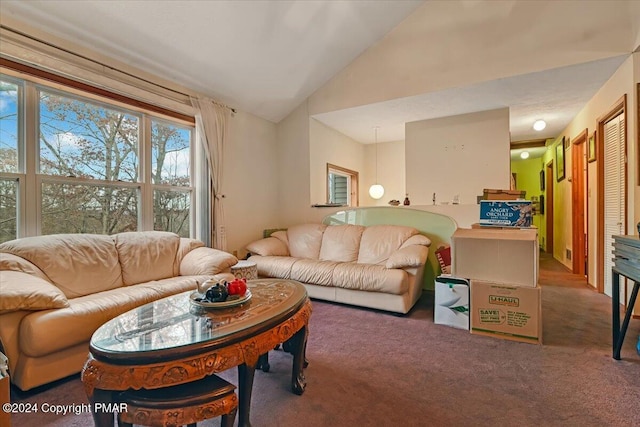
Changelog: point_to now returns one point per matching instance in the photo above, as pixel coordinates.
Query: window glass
(170, 154)
(86, 140)
(338, 189)
(8, 209)
(171, 211)
(69, 208)
(8, 126)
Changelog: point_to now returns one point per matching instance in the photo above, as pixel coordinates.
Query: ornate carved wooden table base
(182, 404)
(103, 379)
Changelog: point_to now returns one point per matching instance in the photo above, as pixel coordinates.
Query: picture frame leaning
(560, 162)
(591, 147)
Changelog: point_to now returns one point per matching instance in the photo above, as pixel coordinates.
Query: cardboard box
(451, 306)
(509, 312)
(506, 214)
(478, 225)
(508, 256)
(491, 194)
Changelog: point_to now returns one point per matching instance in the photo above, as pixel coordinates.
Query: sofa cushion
(313, 272)
(186, 245)
(269, 246)
(146, 255)
(274, 266)
(78, 264)
(21, 291)
(341, 243)
(380, 241)
(206, 261)
(410, 256)
(305, 240)
(16, 263)
(45, 332)
(368, 277)
(282, 236)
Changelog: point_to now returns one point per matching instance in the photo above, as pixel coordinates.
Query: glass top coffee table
(175, 340)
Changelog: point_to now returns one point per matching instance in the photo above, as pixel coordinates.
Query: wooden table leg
(101, 418)
(298, 346)
(245, 386)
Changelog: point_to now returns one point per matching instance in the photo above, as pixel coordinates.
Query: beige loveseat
(378, 266)
(56, 290)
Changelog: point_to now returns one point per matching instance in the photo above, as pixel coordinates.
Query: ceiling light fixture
(376, 191)
(539, 125)
(524, 155)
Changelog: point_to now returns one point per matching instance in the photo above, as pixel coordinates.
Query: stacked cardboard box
(494, 194)
(451, 305)
(502, 267)
(505, 208)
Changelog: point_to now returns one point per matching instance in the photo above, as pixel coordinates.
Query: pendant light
(376, 191)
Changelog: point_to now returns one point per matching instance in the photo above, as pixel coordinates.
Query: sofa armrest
(206, 261)
(22, 291)
(408, 256)
(418, 239)
(270, 246)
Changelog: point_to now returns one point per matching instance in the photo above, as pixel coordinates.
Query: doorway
(612, 194)
(549, 208)
(578, 203)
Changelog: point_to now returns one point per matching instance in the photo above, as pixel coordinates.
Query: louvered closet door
(614, 190)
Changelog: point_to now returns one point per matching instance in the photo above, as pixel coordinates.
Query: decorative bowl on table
(198, 299)
(212, 294)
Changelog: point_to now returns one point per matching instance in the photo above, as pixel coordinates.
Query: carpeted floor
(370, 368)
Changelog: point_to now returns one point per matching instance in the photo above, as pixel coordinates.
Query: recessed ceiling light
(539, 125)
(524, 155)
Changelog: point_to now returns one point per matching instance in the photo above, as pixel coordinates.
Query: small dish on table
(198, 299)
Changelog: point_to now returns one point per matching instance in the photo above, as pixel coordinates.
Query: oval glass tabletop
(175, 323)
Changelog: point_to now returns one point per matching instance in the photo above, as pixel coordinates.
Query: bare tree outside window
(91, 142)
(90, 166)
(9, 101)
(171, 159)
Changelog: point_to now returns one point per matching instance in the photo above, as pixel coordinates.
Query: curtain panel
(211, 128)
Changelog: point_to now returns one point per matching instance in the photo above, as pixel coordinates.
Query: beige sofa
(378, 266)
(55, 291)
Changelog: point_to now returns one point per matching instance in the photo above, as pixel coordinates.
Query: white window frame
(352, 183)
(30, 181)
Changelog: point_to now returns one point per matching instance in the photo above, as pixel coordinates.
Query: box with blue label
(513, 213)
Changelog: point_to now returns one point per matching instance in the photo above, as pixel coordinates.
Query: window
(10, 104)
(342, 186)
(98, 167)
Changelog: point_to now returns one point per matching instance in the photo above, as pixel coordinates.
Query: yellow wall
(528, 179)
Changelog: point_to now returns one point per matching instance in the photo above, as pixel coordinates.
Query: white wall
(459, 155)
(250, 173)
(294, 173)
(326, 145)
(391, 167)
(501, 39)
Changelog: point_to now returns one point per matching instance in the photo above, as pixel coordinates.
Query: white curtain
(211, 128)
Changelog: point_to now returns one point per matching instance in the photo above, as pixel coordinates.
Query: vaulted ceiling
(267, 57)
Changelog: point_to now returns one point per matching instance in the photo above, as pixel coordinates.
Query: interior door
(578, 171)
(549, 208)
(614, 190)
